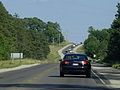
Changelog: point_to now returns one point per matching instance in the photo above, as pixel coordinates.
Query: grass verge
(15, 63)
(117, 66)
(53, 55)
(81, 50)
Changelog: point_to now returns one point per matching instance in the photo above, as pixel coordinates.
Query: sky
(74, 16)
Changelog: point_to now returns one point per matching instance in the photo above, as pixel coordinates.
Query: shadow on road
(53, 87)
(70, 76)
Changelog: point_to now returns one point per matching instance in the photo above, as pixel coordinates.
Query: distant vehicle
(73, 45)
(75, 64)
(71, 51)
(81, 43)
(76, 44)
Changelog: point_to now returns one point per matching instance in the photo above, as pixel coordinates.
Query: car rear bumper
(75, 70)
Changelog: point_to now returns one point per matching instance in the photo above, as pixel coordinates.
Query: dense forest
(105, 43)
(30, 36)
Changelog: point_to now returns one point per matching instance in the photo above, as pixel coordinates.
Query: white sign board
(16, 55)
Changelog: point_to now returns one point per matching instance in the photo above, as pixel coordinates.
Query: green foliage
(91, 44)
(4, 46)
(35, 24)
(114, 47)
(97, 43)
(108, 48)
(53, 33)
(114, 43)
(28, 35)
(116, 22)
(117, 66)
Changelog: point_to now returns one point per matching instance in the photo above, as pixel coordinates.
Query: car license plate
(75, 64)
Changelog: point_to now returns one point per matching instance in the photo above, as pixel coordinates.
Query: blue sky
(74, 16)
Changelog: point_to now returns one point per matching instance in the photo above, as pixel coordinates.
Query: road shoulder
(109, 76)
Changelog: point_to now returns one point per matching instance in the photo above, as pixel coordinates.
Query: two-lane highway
(46, 77)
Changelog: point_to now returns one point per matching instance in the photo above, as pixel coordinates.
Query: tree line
(31, 36)
(105, 43)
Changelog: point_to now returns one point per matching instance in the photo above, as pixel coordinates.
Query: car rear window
(75, 57)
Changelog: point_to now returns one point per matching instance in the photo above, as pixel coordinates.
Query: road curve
(46, 77)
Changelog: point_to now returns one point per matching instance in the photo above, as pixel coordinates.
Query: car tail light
(66, 62)
(85, 62)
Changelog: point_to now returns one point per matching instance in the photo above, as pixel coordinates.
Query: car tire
(61, 74)
(88, 74)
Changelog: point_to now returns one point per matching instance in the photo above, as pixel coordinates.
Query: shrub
(117, 66)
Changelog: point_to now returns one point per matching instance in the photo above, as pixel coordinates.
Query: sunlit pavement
(109, 75)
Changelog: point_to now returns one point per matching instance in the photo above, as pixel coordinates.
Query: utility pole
(59, 36)
(53, 41)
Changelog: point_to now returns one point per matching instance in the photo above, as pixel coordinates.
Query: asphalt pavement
(46, 77)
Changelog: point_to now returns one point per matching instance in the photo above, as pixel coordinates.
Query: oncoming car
(75, 64)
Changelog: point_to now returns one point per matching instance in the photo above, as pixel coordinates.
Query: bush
(117, 66)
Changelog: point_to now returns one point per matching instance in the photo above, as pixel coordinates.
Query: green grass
(15, 63)
(52, 57)
(81, 50)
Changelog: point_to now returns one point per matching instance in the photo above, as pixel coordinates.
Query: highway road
(46, 77)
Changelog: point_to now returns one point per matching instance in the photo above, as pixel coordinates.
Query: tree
(97, 42)
(28, 35)
(38, 47)
(114, 47)
(5, 41)
(35, 24)
(91, 45)
(114, 43)
(53, 33)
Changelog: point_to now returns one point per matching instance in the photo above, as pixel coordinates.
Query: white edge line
(98, 77)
